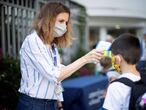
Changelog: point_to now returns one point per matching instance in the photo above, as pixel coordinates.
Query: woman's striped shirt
(39, 74)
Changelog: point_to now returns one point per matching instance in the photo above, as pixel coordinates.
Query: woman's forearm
(92, 56)
(68, 70)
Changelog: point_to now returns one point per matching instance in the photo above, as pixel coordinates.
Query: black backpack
(138, 88)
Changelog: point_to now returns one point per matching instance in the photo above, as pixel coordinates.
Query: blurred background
(92, 21)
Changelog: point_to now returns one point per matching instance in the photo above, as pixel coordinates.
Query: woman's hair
(45, 21)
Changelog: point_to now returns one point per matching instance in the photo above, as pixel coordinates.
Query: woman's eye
(61, 21)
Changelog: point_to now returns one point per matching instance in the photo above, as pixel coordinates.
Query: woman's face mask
(59, 29)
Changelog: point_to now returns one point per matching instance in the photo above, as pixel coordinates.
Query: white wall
(107, 14)
(120, 8)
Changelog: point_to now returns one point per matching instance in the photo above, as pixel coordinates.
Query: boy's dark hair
(128, 46)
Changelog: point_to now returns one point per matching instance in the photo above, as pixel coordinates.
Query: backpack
(141, 104)
(138, 88)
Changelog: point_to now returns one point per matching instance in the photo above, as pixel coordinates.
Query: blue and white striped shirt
(39, 74)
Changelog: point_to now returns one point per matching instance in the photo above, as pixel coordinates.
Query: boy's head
(127, 46)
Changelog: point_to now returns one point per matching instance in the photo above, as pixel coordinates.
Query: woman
(41, 70)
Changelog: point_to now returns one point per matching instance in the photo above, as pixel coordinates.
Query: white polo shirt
(113, 73)
(118, 94)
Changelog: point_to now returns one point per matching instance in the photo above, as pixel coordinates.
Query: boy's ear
(118, 59)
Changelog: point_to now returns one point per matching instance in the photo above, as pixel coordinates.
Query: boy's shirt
(118, 94)
(112, 73)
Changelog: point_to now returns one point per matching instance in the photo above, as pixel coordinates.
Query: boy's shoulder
(130, 76)
(137, 88)
(118, 86)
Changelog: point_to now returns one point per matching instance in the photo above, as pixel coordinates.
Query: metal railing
(15, 23)
(16, 20)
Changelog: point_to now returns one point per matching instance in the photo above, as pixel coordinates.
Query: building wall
(119, 8)
(16, 18)
(118, 15)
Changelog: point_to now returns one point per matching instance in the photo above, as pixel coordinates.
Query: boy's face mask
(59, 29)
(114, 65)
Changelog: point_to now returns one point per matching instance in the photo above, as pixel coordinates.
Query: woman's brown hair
(45, 21)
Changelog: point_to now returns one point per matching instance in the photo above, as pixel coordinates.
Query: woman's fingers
(94, 56)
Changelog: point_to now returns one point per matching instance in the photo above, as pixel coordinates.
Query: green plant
(9, 83)
(10, 71)
(88, 69)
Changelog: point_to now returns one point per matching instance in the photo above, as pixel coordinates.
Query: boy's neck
(126, 68)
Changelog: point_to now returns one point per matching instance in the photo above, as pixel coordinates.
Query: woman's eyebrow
(61, 20)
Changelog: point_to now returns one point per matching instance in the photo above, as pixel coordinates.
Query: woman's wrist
(84, 60)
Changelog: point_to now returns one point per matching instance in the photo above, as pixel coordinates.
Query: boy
(126, 51)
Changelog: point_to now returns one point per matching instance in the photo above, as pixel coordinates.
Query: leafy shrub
(87, 69)
(9, 83)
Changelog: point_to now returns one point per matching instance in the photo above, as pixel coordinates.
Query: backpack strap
(137, 89)
(125, 81)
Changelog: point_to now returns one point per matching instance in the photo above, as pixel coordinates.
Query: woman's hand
(60, 106)
(93, 56)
